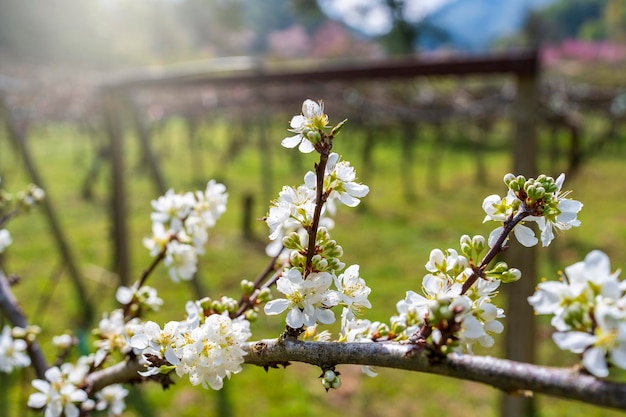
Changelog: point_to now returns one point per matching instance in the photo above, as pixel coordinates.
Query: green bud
(292, 241)
(314, 136)
(330, 375)
(247, 286)
(205, 303)
(264, 296)
(466, 249)
(511, 275)
(508, 178)
(465, 239)
(478, 242)
(499, 268)
(251, 315)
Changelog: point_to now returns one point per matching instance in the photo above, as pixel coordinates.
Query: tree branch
(12, 310)
(503, 374)
(506, 375)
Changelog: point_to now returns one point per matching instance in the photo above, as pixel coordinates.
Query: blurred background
(108, 103)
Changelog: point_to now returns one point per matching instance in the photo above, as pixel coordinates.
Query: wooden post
(121, 255)
(146, 147)
(520, 334)
(18, 139)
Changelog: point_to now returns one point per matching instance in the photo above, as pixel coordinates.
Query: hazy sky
(371, 16)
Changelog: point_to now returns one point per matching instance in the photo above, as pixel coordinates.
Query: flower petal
(276, 306)
(291, 142)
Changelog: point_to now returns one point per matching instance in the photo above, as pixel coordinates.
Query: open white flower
(607, 343)
(57, 395)
(307, 300)
(212, 351)
(5, 239)
(12, 352)
(181, 260)
(112, 398)
(561, 214)
(353, 291)
(339, 183)
(312, 119)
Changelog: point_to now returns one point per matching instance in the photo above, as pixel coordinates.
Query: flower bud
(511, 275)
(499, 268)
(292, 241)
(466, 249)
(251, 315)
(314, 137)
(264, 296)
(247, 286)
(205, 303)
(508, 178)
(330, 375)
(478, 242)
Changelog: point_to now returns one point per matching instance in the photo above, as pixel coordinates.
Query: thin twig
(11, 309)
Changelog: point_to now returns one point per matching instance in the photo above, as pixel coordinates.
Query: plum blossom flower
(180, 227)
(5, 239)
(12, 352)
(212, 351)
(606, 343)
(293, 208)
(589, 312)
(308, 301)
(112, 397)
(311, 120)
(500, 209)
(113, 334)
(353, 291)
(560, 214)
(171, 208)
(339, 183)
(145, 297)
(570, 300)
(182, 261)
(57, 395)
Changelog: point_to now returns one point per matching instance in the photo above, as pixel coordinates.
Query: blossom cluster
(60, 393)
(589, 312)
(206, 348)
(538, 200)
(444, 314)
(180, 224)
(312, 282)
(13, 353)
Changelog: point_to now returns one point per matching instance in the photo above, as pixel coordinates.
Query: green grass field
(390, 236)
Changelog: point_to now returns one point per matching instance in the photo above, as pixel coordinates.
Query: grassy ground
(390, 236)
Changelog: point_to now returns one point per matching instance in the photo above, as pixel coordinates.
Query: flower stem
(497, 247)
(320, 199)
(248, 301)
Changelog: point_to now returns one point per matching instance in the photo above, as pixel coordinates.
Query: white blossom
(112, 398)
(12, 352)
(561, 214)
(212, 351)
(589, 312)
(312, 119)
(353, 291)
(5, 239)
(308, 301)
(57, 394)
(182, 260)
(339, 183)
